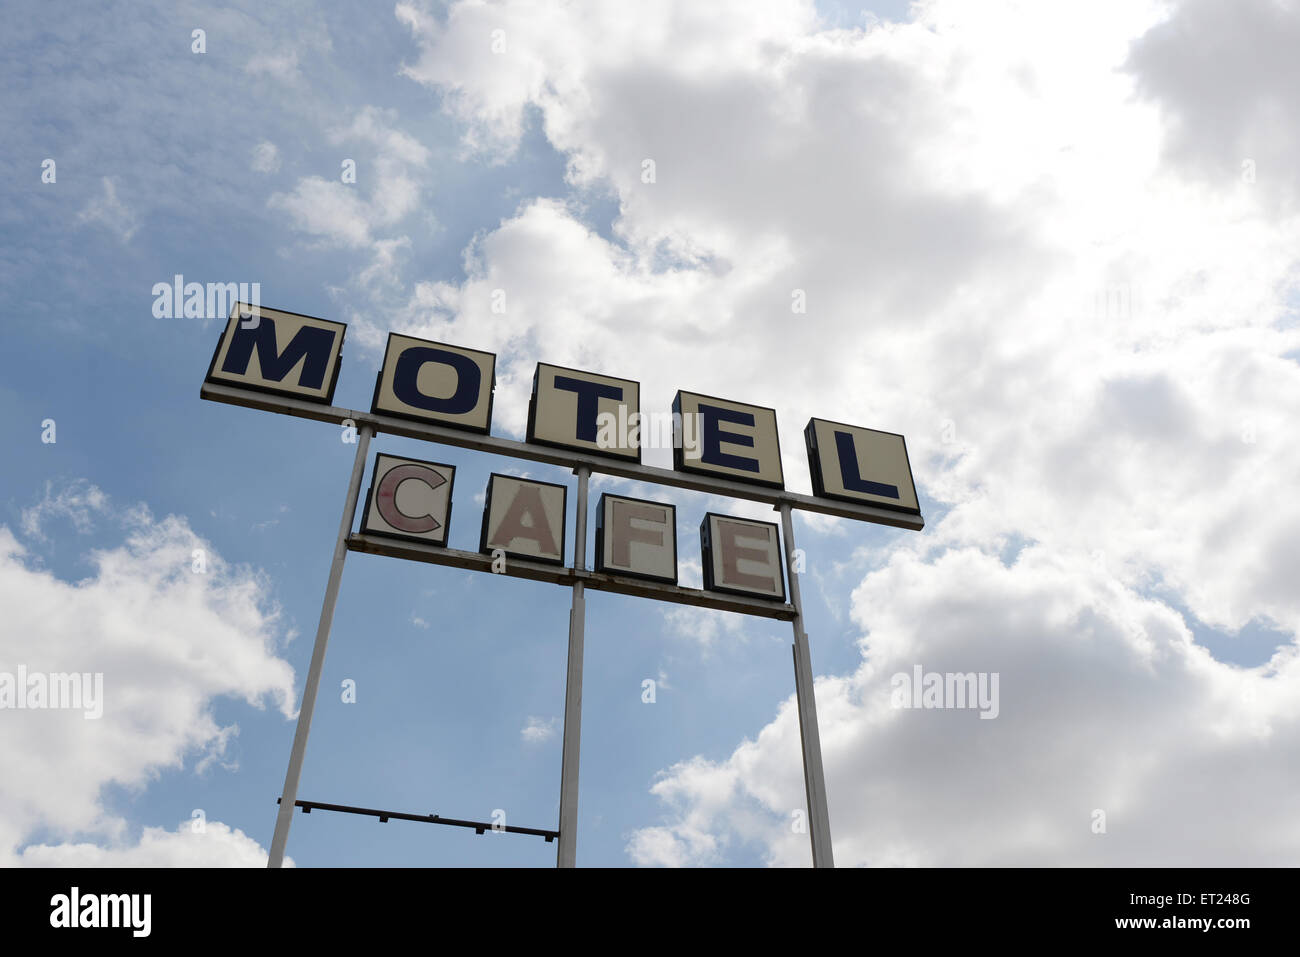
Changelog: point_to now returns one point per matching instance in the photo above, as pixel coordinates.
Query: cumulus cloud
(1222, 76)
(171, 627)
(215, 845)
(1090, 348)
(1097, 688)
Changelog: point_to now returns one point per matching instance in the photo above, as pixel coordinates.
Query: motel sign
(587, 422)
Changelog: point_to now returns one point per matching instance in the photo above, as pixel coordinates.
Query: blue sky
(898, 170)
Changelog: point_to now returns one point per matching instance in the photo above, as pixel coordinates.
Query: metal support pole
(567, 852)
(290, 794)
(819, 821)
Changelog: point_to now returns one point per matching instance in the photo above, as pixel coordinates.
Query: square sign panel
(636, 538)
(860, 465)
(585, 411)
(742, 557)
(433, 382)
(409, 498)
(730, 439)
(279, 352)
(524, 518)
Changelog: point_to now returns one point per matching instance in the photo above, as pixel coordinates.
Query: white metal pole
(290, 794)
(819, 821)
(566, 854)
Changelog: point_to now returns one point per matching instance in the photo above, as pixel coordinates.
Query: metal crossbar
(384, 816)
(563, 575)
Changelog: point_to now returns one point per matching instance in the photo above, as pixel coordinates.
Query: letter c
(386, 497)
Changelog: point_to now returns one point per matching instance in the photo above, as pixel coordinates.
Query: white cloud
(79, 502)
(703, 625)
(385, 263)
(391, 177)
(217, 845)
(266, 157)
(389, 181)
(168, 641)
(491, 90)
(1106, 704)
(375, 126)
(1224, 76)
(538, 730)
(282, 65)
(328, 209)
(109, 211)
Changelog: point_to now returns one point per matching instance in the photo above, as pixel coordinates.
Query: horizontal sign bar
(566, 458)
(560, 575)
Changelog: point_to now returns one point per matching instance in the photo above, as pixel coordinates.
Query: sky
(1054, 245)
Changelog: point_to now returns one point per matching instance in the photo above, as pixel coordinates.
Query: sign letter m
(281, 352)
